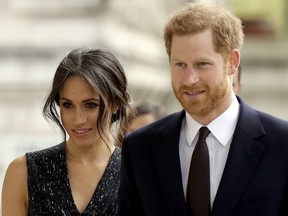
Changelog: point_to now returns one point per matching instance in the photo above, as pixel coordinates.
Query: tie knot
(203, 133)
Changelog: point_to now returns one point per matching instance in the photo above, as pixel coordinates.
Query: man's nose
(190, 76)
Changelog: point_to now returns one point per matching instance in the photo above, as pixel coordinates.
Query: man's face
(199, 75)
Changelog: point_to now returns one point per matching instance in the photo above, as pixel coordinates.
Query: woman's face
(79, 110)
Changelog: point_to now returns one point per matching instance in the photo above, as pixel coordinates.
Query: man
(146, 113)
(248, 149)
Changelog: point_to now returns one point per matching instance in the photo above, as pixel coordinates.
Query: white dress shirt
(218, 142)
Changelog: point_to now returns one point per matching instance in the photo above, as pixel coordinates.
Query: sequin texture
(49, 191)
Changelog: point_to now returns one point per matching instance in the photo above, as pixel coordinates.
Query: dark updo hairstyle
(101, 69)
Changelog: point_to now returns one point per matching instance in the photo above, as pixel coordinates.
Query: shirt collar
(222, 127)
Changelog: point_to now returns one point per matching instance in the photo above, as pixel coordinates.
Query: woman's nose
(80, 117)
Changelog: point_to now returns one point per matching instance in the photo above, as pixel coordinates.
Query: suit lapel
(242, 160)
(167, 162)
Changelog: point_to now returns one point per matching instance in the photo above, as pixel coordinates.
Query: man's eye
(91, 105)
(67, 105)
(180, 64)
(201, 64)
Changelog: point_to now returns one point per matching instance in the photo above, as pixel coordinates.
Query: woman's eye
(91, 105)
(67, 105)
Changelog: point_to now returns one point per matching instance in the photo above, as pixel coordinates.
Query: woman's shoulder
(114, 161)
(15, 182)
(18, 165)
(117, 153)
(46, 152)
(47, 157)
(116, 156)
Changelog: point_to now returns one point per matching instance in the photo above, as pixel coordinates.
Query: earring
(115, 111)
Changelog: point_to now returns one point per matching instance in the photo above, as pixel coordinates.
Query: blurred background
(36, 34)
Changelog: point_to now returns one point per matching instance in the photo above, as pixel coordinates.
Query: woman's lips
(81, 132)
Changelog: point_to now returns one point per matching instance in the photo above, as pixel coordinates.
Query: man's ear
(234, 61)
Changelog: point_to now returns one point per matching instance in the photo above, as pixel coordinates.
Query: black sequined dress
(49, 189)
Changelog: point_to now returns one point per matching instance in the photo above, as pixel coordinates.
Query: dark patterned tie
(198, 188)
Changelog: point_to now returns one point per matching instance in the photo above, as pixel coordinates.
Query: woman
(79, 176)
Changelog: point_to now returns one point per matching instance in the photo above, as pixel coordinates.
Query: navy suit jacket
(254, 181)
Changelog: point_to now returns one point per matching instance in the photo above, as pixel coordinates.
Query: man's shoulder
(252, 119)
(252, 114)
(164, 122)
(273, 122)
(151, 132)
